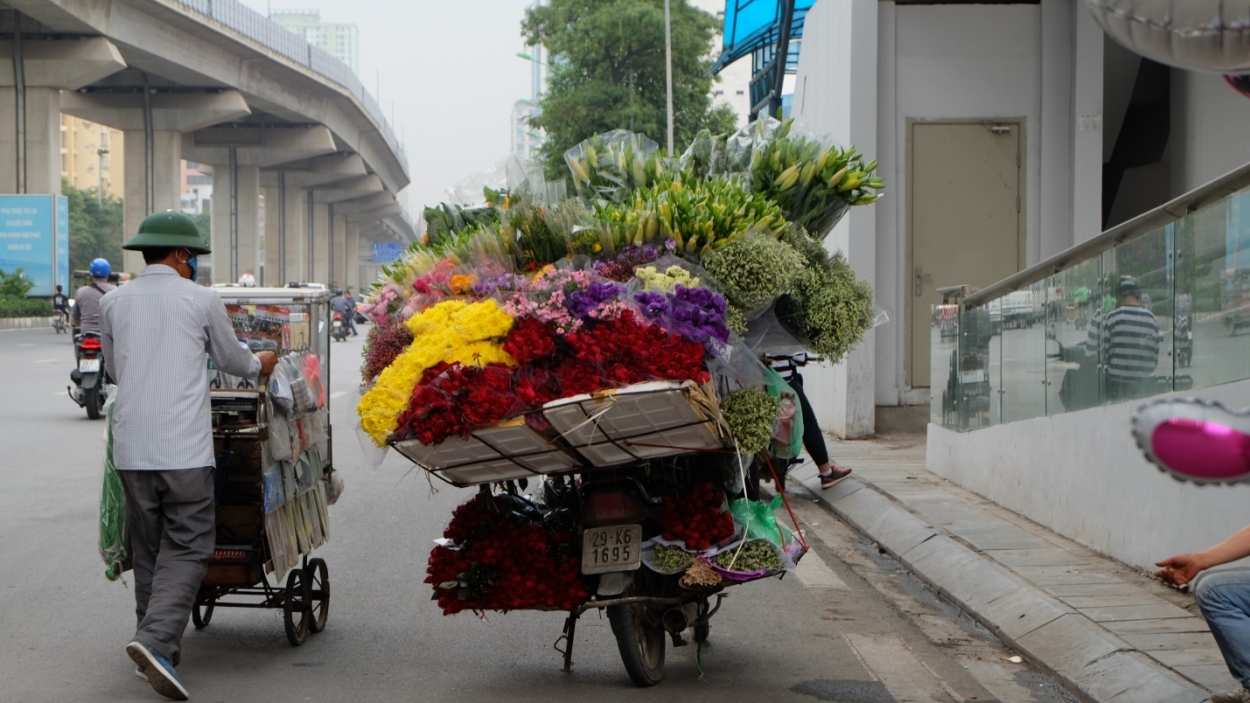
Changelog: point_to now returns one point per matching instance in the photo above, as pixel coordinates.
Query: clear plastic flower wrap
(611, 166)
(506, 176)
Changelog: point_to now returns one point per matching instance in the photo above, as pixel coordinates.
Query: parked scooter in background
(90, 389)
(338, 330)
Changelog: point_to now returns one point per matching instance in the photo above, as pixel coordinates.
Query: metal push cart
(274, 475)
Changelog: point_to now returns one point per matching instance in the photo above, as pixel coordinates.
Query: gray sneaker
(1241, 695)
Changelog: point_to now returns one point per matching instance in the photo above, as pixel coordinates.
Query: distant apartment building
(92, 156)
(197, 187)
(337, 39)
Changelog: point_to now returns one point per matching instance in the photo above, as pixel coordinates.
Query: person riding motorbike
(60, 303)
(87, 299)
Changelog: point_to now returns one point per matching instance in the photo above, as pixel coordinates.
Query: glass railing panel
(1072, 349)
(1213, 282)
(1134, 342)
(943, 343)
(1023, 339)
(965, 368)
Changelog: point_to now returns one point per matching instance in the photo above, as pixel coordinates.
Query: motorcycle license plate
(89, 365)
(606, 549)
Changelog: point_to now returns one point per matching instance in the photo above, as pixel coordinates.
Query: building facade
(340, 40)
(92, 156)
(733, 84)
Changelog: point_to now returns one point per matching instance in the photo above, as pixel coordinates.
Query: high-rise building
(527, 139)
(92, 157)
(735, 80)
(337, 39)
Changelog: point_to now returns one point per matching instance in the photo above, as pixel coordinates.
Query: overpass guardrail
(1034, 344)
(249, 23)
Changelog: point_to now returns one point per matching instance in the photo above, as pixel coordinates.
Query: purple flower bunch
(507, 282)
(698, 314)
(581, 303)
(630, 258)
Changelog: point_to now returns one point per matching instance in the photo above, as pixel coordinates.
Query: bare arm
(1182, 568)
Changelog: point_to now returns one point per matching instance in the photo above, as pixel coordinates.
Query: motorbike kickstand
(570, 630)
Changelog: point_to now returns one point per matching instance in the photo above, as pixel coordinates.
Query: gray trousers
(172, 526)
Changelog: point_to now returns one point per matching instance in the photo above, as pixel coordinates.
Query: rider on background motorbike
(87, 299)
(60, 303)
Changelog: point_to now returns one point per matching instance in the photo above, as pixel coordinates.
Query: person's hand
(1180, 569)
(268, 362)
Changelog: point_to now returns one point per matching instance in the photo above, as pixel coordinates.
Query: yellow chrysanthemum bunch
(452, 331)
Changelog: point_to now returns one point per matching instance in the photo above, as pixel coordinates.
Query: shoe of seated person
(1241, 695)
(833, 477)
(159, 671)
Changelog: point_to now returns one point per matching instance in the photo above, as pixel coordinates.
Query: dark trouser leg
(174, 511)
(813, 438)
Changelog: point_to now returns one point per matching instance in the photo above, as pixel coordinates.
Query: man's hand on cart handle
(268, 362)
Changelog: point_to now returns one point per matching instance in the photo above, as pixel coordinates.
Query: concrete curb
(1091, 662)
(24, 323)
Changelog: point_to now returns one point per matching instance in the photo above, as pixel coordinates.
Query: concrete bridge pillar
(352, 278)
(33, 72)
(339, 253)
(319, 232)
(154, 123)
(236, 223)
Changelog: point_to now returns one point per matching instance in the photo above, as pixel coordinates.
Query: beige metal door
(965, 219)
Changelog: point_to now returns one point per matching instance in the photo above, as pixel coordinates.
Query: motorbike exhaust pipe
(674, 621)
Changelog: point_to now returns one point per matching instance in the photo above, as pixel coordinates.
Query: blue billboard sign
(31, 239)
(386, 252)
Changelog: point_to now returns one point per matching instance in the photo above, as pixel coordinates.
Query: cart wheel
(202, 614)
(318, 578)
(295, 613)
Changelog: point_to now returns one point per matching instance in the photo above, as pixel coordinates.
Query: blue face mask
(194, 265)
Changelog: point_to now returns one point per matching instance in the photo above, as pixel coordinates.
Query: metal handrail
(251, 24)
(1145, 223)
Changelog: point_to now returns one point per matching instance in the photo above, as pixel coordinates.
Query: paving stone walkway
(1110, 631)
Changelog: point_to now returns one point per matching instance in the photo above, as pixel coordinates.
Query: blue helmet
(100, 268)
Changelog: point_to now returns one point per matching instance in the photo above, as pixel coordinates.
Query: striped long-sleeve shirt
(1130, 343)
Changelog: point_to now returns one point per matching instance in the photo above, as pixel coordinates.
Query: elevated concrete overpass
(210, 81)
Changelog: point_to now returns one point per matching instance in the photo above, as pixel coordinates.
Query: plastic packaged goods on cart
(751, 559)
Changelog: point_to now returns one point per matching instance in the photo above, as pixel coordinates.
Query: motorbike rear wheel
(640, 638)
(94, 402)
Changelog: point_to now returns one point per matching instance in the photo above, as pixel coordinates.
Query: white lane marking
(813, 572)
(905, 676)
(47, 361)
(28, 344)
(58, 393)
(999, 680)
(337, 394)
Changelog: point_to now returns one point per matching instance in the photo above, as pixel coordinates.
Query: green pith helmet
(168, 229)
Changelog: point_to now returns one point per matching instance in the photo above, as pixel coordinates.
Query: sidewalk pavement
(1107, 632)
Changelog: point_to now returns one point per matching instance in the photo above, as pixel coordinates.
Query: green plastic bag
(788, 436)
(112, 513)
(757, 518)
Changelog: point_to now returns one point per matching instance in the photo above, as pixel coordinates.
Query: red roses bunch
(496, 564)
(452, 400)
(695, 517)
(628, 352)
(530, 340)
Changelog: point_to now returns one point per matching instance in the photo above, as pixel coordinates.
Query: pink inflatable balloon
(1202, 450)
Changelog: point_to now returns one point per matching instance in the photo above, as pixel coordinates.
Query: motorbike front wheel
(640, 638)
(95, 403)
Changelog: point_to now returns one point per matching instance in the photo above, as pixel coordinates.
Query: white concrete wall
(836, 94)
(1039, 64)
(1082, 475)
(1209, 135)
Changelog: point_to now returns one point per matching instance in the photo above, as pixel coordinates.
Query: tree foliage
(95, 229)
(607, 71)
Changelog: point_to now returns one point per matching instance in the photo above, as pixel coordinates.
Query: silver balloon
(1198, 35)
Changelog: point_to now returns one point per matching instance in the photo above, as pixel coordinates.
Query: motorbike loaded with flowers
(591, 364)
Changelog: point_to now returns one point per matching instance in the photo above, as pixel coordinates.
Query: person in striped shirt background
(1128, 344)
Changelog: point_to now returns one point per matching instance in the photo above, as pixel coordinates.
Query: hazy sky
(450, 69)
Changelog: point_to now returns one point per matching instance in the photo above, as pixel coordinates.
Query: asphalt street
(850, 626)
